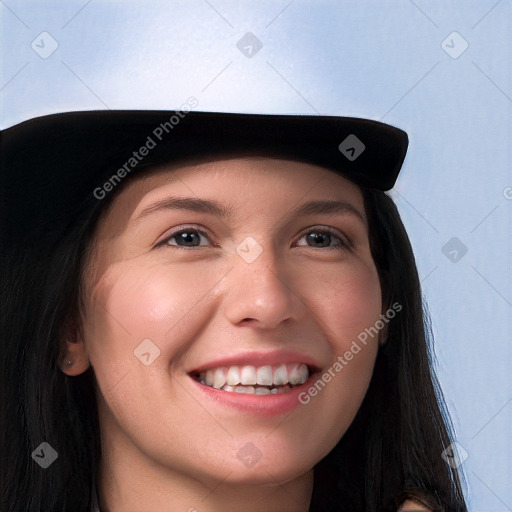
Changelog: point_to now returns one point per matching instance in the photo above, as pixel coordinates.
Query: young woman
(210, 312)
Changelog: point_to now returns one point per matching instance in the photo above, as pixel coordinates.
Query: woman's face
(172, 322)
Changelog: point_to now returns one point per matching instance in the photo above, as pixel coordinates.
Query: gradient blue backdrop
(398, 62)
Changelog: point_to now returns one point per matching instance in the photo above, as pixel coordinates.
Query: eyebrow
(194, 204)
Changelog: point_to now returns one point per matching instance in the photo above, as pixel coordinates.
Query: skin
(166, 447)
(413, 506)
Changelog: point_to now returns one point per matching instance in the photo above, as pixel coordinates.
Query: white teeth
(233, 376)
(243, 379)
(248, 375)
(264, 376)
(219, 379)
(280, 375)
(298, 374)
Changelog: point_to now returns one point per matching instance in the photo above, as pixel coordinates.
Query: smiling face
(182, 305)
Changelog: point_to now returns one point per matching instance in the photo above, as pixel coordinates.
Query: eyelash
(343, 245)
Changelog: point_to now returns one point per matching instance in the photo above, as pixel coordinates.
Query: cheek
(135, 301)
(348, 311)
(347, 301)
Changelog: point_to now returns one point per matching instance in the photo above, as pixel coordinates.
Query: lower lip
(262, 405)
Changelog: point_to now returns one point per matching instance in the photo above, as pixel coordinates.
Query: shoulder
(413, 506)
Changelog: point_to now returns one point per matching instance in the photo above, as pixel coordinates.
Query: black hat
(49, 165)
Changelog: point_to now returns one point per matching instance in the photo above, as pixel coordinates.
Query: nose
(261, 292)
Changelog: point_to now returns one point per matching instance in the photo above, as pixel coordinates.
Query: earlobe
(74, 363)
(73, 359)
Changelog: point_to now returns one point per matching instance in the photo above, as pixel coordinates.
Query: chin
(272, 472)
(258, 460)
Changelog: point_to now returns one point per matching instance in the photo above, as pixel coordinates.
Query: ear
(73, 358)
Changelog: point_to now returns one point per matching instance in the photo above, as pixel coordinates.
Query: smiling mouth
(259, 380)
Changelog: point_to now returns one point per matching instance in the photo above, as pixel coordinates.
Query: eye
(189, 237)
(323, 236)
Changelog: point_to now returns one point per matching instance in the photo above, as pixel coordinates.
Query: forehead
(290, 175)
(240, 183)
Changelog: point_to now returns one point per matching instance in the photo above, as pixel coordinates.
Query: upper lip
(260, 359)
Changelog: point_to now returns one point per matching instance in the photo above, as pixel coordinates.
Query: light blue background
(377, 59)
